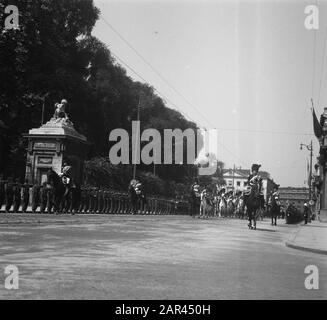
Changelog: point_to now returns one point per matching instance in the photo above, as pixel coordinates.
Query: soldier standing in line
(25, 195)
(35, 197)
(195, 198)
(17, 195)
(9, 193)
(43, 197)
(2, 190)
(306, 213)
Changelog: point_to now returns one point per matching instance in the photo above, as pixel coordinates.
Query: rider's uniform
(252, 180)
(66, 175)
(195, 199)
(275, 195)
(196, 190)
(138, 188)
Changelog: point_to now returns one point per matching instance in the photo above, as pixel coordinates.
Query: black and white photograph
(172, 151)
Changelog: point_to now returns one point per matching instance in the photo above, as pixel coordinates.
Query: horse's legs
(252, 217)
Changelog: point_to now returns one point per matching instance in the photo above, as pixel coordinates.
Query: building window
(238, 183)
(230, 183)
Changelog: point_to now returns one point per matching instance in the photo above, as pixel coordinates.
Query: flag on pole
(317, 129)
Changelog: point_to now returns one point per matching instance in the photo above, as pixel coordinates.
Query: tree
(53, 54)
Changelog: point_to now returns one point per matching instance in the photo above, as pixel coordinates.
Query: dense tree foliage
(53, 55)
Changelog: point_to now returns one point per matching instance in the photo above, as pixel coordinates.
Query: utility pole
(310, 148)
(136, 142)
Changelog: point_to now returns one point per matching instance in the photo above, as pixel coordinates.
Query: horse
(253, 203)
(274, 210)
(61, 196)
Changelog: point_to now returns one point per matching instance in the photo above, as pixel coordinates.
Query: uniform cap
(255, 167)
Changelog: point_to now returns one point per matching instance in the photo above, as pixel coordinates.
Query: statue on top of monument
(60, 110)
(60, 114)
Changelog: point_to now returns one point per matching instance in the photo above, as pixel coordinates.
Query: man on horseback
(66, 173)
(253, 196)
(137, 193)
(254, 179)
(66, 176)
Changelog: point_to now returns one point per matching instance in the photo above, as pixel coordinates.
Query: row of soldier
(17, 197)
(14, 195)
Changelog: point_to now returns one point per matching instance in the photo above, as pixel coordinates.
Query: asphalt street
(153, 257)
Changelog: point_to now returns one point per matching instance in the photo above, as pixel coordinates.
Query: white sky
(244, 65)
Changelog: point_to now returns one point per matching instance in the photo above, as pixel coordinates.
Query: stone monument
(54, 143)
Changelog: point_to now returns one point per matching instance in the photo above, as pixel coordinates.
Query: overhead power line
(154, 69)
(167, 99)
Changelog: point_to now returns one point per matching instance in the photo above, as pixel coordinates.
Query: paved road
(153, 257)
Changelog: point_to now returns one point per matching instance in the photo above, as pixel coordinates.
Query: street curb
(294, 246)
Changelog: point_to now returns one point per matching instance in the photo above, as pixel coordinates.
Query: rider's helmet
(255, 167)
(276, 186)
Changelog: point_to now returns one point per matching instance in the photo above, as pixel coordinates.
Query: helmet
(255, 167)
